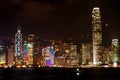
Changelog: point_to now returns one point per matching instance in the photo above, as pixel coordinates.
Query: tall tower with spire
(18, 47)
(96, 36)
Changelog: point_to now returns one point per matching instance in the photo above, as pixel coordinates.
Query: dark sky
(58, 18)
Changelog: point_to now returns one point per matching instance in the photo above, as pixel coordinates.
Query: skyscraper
(115, 54)
(30, 49)
(86, 53)
(97, 36)
(18, 47)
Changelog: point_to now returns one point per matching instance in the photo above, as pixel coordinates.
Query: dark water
(60, 74)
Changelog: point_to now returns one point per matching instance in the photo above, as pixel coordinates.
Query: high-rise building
(86, 53)
(10, 55)
(48, 56)
(114, 51)
(18, 47)
(96, 36)
(73, 55)
(2, 54)
(30, 49)
(3, 50)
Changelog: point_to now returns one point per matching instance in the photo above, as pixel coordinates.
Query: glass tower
(97, 36)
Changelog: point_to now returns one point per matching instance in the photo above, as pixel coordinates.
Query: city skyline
(54, 19)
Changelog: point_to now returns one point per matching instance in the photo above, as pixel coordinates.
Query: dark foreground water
(60, 74)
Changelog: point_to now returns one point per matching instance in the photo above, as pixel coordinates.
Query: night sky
(58, 18)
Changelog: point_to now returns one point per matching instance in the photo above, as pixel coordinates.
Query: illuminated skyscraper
(115, 51)
(18, 47)
(97, 36)
(73, 55)
(86, 53)
(10, 55)
(2, 54)
(30, 49)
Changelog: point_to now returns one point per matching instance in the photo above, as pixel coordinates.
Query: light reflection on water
(59, 74)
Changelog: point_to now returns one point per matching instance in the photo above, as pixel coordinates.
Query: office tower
(3, 50)
(107, 55)
(86, 53)
(30, 49)
(57, 46)
(73, 55)
(46, 56)
(2, 54)
(114, 51)
(18, 48)
(96, 36)
(25, 52)
(10, 55)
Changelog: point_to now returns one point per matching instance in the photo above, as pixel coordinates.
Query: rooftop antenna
(19, 28)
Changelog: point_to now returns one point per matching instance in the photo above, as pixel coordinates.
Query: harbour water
(60, 74)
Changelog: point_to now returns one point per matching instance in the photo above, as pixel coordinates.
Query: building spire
(19, 28)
